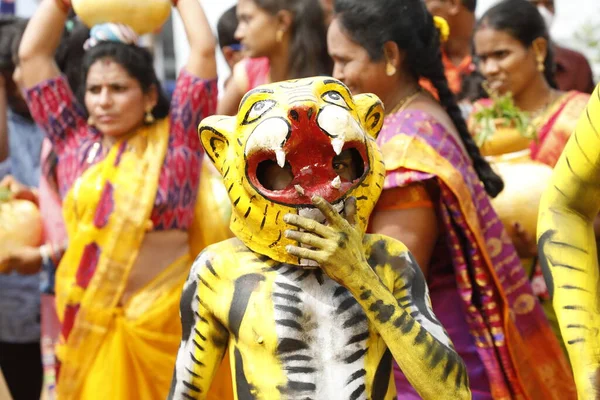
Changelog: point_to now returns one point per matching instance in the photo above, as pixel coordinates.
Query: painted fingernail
(289, 248)
(287, 218)
(287, 233)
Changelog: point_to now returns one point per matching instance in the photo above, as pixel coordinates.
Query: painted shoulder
(223, 258)
(377, 242)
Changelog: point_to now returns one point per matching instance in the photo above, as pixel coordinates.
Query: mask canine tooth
(299, 189)
(338, 145)
(280, 154)
(336, 183)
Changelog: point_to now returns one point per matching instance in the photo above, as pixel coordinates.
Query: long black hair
(308, 54)
(372, 23)
(138, 63)
(521, 20)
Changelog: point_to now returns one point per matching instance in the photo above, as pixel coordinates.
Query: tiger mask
(302, 126)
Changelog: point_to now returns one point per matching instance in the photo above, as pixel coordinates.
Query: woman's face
(352, 64)
(256, 30)
(507, 65)
(115, 100)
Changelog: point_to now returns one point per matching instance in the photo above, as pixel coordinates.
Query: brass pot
(524, 182)
(505, 140)
(143, 16)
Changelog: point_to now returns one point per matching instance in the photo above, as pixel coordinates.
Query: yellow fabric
(135, 183)
(137, 356)
(124, 352)
(213, 211)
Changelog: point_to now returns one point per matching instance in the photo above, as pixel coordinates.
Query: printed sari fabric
(510, 338)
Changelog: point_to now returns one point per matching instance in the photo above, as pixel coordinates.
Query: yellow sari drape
(111, 351)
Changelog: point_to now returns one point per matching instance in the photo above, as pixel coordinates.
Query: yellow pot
(504, 141)
(143, 16)
(524, 182)
(20, 225)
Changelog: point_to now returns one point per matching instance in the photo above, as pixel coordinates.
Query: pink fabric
(50, 205)
(257, 70)
(54, 232)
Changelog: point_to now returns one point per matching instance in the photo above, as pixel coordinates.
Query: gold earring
(541, 67)
(91, 121)
(390, 70)
(279, 36)
(149, 118)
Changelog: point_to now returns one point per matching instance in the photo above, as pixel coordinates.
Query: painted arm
(567, 248)
(204, 339)
(40, 41)
(417, 341)
(202, 62)
(417, 228)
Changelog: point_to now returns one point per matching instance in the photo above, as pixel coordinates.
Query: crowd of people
(128, 200)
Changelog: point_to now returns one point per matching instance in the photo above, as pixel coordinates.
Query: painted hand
(337, 247)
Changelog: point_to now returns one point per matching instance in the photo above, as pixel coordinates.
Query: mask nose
(303, 113)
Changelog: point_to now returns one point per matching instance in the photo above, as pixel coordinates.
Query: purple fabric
(446, 301)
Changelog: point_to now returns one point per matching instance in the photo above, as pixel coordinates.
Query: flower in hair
(111, 32)
(442, 25)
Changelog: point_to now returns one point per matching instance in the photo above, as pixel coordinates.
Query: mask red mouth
(309, 164)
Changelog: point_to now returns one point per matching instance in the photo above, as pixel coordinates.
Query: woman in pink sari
(514, 53)
(283, 39)
(436, 200)
(512, 45)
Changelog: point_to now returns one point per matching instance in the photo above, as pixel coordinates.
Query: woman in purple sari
(436, 200)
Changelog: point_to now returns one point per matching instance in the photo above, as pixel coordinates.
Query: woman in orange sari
(513, 50)
(128, 173)
(436, 200)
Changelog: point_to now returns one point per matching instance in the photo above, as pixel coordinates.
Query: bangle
(64, 5)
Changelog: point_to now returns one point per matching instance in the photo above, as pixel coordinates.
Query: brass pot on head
(143, 16)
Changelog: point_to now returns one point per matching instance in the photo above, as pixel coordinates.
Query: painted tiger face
(290, 141)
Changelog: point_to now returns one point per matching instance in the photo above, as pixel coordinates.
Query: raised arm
(202, 62)
(235, 91)
(406, 322)
(40, 41)
(567, 248)
(204, 339)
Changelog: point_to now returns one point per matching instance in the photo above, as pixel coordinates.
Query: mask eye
(335, 98)
(257, 110)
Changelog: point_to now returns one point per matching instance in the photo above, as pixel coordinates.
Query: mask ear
(370, 111)
(215, 133)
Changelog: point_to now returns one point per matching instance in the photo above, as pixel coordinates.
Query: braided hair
(408, 23)
(521, 20)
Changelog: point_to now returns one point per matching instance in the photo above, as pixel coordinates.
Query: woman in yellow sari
(513, 50)
(128, 172)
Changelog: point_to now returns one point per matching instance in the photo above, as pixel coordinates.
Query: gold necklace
(552, 98)
(405, 101)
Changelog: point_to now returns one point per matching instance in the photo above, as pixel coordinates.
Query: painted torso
(295, 333)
